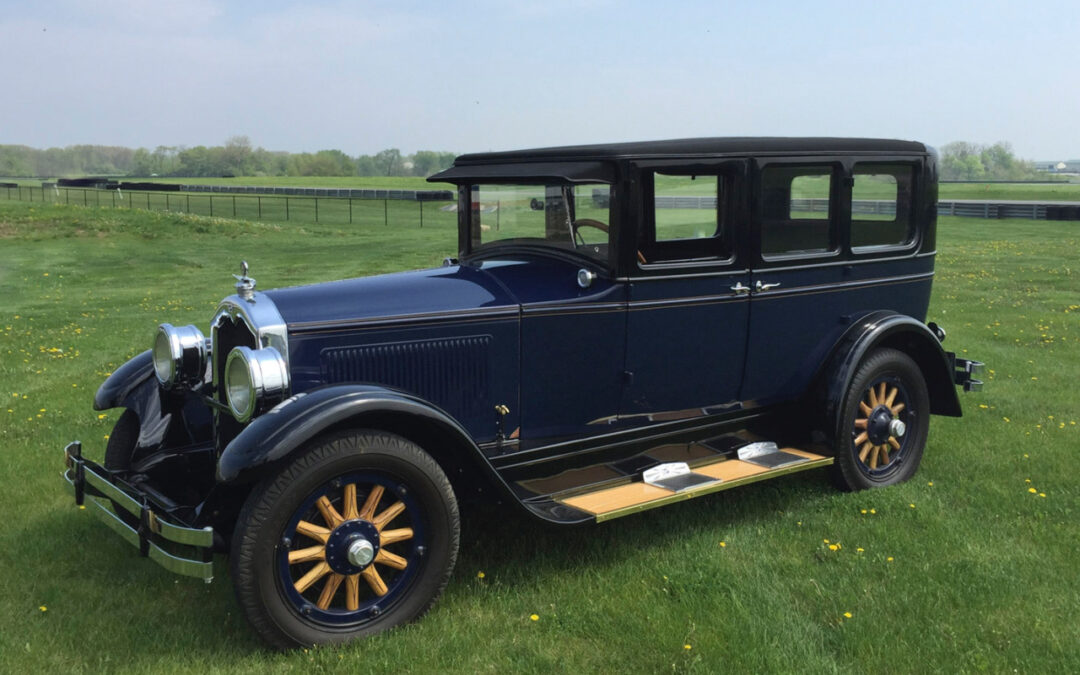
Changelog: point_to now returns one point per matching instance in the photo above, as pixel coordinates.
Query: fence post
(98, 195)
(234, 206)
(259, 200)
(211, 206)
(84, 197)
(421, 213)
(113, 195)
(187, 203)
(286, 209)
(350, 210)
(385, 213)
(316, 209)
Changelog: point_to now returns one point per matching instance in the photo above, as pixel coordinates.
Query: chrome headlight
(254, 378)
(179, 354)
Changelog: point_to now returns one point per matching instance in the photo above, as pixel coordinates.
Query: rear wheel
(357, 535)
(884, 422)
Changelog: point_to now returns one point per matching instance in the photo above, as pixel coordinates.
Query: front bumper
(177, 548)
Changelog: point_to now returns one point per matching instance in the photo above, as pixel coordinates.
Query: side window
(688, 217)
(881, 206)
(796, 210)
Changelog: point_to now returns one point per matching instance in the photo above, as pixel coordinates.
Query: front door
(688, 295)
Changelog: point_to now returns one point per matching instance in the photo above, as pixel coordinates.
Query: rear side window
(881, 199)
(688, 218)
(796, 210)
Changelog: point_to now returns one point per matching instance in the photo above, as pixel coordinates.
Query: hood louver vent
(452, 373)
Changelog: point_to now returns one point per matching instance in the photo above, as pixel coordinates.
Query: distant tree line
(961, 160)
(236, 158)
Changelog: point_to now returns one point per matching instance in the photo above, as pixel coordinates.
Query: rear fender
(898, 331)
(273, 437)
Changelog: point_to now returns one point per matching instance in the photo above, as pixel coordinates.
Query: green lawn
(967, 567)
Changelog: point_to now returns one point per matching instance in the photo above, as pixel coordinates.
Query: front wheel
(357, 535)
(884, 422)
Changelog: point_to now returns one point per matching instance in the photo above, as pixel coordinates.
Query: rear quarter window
(881, 206)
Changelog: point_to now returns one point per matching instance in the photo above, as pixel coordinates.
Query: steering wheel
(586, 222)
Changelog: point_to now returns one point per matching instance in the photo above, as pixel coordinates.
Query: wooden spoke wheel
(884, 422)
(357, 535)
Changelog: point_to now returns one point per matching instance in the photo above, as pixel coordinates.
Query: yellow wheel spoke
(884, 455)
(313, 575)
(390, 560)
(892, 395)
(394, 536)
(389, 514)
(312, 530)
(861, 423)
(866, 410)
(865, 451)
(307, 555)
(897, 408)
(350, 502)
(881, 394)
(352, 592)
(873, 456)
(861, 438)
(329, 513)
(368, 512)
(895, 443)
(873, 398)
(371, 576)
(328, 590)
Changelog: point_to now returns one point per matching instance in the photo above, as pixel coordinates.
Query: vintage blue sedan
(624, 326)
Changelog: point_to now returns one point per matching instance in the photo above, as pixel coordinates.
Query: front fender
(899, 331)
(273, 436)
(116, 390)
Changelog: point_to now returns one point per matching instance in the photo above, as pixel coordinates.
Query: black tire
(121, 446)
(276, 523)
(869, 451)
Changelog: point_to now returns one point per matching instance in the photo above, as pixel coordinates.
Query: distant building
(1068, 166)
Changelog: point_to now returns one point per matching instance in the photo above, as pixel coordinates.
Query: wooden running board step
(623, 500)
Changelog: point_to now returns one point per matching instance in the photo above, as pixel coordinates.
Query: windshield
(571, 217)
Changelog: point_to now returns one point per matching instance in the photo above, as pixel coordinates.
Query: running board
(623, 500)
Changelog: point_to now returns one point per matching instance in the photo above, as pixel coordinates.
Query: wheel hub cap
(361, 552)
(880, 425)
(897, 429)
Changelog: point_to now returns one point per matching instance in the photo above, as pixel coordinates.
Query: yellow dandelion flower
(1027, 480)
(1042, 494)
(82, 507)
(1005, 418)
(1032, 490)
(911, 505)
(847, 615)
(480, 575)
(889, 559)
(931, 483)
(687, 647)
(833, 547)
(873, 511)
(106, 436)
(102, 416)
(858, 550)
(983, 406)
(43, 608)
(825, 540)
(534, 617)
(723, 544)
(863, 511)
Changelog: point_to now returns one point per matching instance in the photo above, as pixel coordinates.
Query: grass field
(971, 566)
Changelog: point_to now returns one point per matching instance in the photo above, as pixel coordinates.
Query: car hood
(445, 290)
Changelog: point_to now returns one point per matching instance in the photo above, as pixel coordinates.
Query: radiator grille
(451, 373)
(226, 334)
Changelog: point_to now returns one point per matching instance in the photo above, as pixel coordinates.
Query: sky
(502, 74)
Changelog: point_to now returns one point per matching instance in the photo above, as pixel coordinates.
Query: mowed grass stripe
(976, 575)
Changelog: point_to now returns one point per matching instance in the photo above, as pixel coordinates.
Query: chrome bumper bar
(965, 373)
(92, 484)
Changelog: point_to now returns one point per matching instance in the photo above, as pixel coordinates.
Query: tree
(388, 162)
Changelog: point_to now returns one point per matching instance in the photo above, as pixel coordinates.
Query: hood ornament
(245, 285)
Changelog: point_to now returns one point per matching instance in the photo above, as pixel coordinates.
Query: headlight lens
(179, 354)
(253, 379)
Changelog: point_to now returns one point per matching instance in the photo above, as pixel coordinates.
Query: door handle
(740, 289)
(764, 287)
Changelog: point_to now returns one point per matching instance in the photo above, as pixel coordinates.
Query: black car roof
(697, 146)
